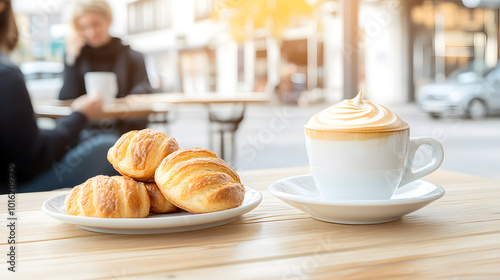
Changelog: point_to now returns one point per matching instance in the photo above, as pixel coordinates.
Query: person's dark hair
(8, 28)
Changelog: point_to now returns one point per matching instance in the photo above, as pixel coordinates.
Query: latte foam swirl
(356, 115)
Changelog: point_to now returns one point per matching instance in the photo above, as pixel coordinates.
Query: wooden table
(144, 104)
(122, 109)
(209, 98)
(456, 237)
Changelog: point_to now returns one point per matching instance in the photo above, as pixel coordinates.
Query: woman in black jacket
(37, 160)
(90, 48)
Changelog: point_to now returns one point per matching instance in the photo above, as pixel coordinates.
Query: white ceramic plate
(301, 193)
(156, 223)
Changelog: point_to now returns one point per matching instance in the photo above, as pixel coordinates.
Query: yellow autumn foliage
(245, 16)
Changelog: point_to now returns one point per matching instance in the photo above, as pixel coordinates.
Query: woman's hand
(90, 106)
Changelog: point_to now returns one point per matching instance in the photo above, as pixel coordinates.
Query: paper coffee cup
(102, 83)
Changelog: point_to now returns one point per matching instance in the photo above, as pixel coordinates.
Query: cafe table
(121, 109)
(159, 104)
(207, 98)
(455, 237)
(139, 105)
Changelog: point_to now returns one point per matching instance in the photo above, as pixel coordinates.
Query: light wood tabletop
(455, 237)
(204, 98)
(121, 109)
(142, 105)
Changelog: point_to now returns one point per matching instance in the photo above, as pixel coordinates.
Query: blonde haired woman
(91, 48)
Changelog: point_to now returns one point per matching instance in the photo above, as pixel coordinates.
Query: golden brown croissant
(137, 154)
(198, 181)
(109, 197)
(159, 204)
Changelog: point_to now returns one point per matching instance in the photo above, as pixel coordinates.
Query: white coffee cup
(364, 154)
(102, 83)
(368, 169)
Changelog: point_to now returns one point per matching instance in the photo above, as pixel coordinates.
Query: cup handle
(437, 158)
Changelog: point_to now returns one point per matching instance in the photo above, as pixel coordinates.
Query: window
(202, 9)
(149, 15)
(241, 63)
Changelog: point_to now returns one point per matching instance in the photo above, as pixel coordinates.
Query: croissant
(109, 197)
(159, 204)
(137, 154)
(198, 181)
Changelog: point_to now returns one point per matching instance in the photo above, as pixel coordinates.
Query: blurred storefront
(42, 34)
(192, 52)
(448, 35)
(407, 44)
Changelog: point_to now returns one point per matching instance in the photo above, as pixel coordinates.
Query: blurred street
(273, 137)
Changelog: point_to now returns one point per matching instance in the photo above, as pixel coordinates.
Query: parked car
(471, 91)
(43, 79)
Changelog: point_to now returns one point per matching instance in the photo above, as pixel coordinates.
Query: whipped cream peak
(358, 100)
(356, 115)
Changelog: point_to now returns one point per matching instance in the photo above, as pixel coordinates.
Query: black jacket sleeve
(139, 74)
(32, 150)
(74, 84)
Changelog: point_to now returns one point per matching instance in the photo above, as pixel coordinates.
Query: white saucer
(301, 193)
(156, 223)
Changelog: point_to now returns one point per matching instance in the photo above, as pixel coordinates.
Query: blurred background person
(91, 48)
(41, 160)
